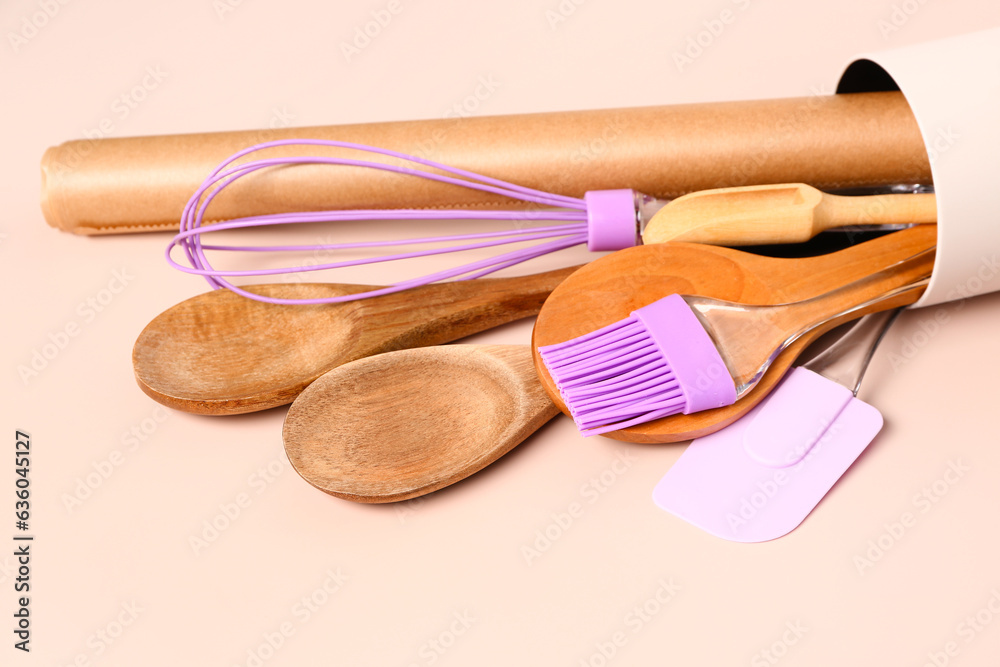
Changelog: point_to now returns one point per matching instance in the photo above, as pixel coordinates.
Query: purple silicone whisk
(603, 219)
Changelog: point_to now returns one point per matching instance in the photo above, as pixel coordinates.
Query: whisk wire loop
(571, 218)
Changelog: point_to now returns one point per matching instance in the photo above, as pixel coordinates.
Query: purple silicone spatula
(758, 478)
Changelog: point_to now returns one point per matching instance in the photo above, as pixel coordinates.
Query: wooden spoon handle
(444, 312)
(510, 298)
(838, 210)
(526, 294)
(899, 284)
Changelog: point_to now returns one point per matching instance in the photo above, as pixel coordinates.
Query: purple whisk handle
(612, 220)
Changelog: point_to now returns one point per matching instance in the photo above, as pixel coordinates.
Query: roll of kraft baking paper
(104, 186)
(953, 87)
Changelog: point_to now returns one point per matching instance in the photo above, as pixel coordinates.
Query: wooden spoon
(223, 354)
(403, 424)
(610, 288)
(785, 213)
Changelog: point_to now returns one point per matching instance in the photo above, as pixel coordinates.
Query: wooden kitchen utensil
(609, 289)
(402, 424)
(785, 213)
(221, 354)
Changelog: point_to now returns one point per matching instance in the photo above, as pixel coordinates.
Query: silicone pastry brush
(611, 287)
(758, 478)
(684, 354)
(601, 219)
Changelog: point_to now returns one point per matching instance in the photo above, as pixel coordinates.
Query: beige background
(446, 581)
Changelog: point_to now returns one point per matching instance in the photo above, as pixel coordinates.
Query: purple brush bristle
(657, 362)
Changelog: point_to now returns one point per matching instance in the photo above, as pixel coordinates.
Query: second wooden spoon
(608, 289)
(222, 354)
(400, 425)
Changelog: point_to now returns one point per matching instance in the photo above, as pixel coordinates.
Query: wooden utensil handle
(518, 297)
(464, 307)
(899, 284)
(536, 286)
(839, 210)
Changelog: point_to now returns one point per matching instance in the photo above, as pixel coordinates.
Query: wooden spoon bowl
(221, 354)
(406, 423)
(609, 289)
